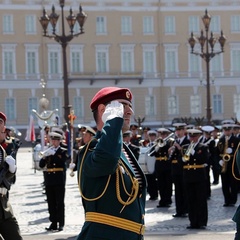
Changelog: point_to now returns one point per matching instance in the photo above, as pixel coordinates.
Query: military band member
(152, 187)
(194, 158)
(210, 143)
(9, 228)
(175, 156)
(135, 149)
(226, 148)
(163, 168)
(215, 163)
(136, 137)
(111, 183)
(55, 180)
(145, 139)
(87, 136)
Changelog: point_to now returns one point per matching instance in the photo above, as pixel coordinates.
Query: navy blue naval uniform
(55, 181)
(104, 176)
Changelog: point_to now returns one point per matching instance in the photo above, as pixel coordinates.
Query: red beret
(3, 116)
(108, 94)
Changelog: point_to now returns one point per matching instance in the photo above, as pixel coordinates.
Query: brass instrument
(187, 154)
(160, 142)
(46, 153)
(225, 157)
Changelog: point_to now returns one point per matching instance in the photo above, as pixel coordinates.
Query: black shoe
(60, 228)
(183, 215)
(52, 227)
(153, 198)
(163, 206)
(228, 205)
(215, 183)
(177, 215)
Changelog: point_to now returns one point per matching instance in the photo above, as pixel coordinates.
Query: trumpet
(160, 143)
(46, 153)
(187, 154)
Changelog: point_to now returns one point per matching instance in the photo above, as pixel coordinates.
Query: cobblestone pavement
(30, 208)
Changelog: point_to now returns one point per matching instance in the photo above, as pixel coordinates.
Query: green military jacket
(104, 177)
(236, 217)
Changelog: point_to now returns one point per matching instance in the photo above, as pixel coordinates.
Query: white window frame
(236, 103)
(101, 26)
(171, 65)
(170, 25)
(127, 49)
(173, 105)
(78, 108)
(193, 24)
(30, 24)
(53, 48)
(32, 48)
(235, 60)
(99, 49)
(149, 48)
(7, 24)
(215, 24)
(235, 24)
(9, 48)
(148, 25)
(126, 25)
(10, 110)
(195, 105)
(150, 105)
(76, 48)
(220, 104)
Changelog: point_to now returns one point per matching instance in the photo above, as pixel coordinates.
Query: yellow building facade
(142, 45)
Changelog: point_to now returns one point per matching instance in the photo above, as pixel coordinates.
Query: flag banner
(30, 135)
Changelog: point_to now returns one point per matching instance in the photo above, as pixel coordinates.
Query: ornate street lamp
(63, 40)
(208, 54)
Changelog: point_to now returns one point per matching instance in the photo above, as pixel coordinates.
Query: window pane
(148, 24)
(172, 105)
(217, 104)
(10, 109)
(195, 104)
(77, 106)
(149, 106)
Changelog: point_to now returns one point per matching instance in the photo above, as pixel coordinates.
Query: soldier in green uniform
(111, 183)
(236, 217)
(9, 228)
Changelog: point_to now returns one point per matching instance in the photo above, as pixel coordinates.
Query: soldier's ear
(101, 109)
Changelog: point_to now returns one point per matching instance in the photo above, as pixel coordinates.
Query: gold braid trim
(131, 196)
(79, 179)
(135, 186)
(234, 161)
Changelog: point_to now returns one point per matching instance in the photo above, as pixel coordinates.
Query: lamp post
(63, 40)
(207, 43)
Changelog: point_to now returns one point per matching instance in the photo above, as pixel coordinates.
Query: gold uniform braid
(234, 161)
(119, 174)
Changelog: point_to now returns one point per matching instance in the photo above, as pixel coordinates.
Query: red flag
(30, 136)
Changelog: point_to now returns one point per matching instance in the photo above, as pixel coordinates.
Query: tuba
(187, 154)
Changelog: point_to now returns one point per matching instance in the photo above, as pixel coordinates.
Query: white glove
(192, 151)
(113, 110)
(11, 163)
(156, 148)
(221, 162)
(72, 165)
(228, 150)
